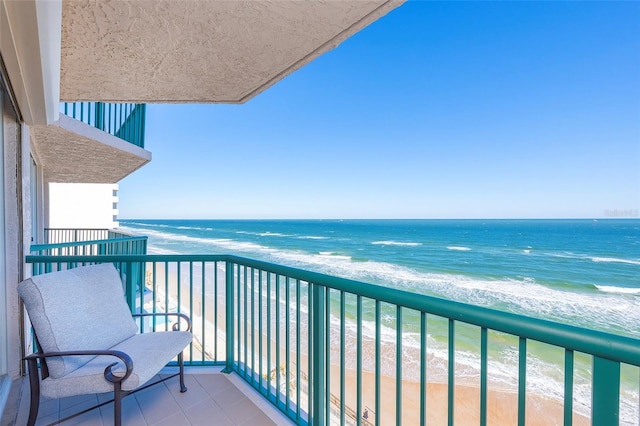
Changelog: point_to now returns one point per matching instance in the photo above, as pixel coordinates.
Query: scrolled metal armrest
(108, 371)
(176, 326)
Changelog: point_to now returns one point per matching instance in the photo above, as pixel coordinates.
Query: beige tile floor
(212, 398)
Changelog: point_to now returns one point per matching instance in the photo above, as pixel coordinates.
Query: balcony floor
(211, 398)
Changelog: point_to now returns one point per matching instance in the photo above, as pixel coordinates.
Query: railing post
(229, 300)
(317, 376)
(141, 123)
(100, 115)
(606, 392)
(129, 289)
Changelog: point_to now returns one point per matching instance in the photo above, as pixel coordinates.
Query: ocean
(579, 272)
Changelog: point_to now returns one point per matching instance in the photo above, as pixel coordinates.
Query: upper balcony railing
(125, 121)
(328, 350)
(74, 235)
(112, 246)
(90, 242)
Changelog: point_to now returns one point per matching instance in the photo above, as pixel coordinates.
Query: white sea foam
(522, 296)
(157, 250)
(396, 243)
(273, 234)
(615, 260)
(152, 225)
(597, 259)
(264, 234)
(622, 290)
(333, 256)
(279, 234)
(565, 255)
(225, 243)
(458, 248)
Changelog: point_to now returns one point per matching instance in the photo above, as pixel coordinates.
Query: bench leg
(183, 388)
(117, 404)
(34, 384)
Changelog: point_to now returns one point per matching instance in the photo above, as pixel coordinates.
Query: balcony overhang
(198, 51)
(74, 152)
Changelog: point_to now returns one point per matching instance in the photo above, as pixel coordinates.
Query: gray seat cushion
(149, 352)
(77, 309)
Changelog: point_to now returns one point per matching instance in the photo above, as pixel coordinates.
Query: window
(3, 302)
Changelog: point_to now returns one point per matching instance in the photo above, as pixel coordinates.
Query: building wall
(83, 205)
(30, 34)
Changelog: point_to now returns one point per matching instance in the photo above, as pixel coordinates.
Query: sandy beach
(501, 405)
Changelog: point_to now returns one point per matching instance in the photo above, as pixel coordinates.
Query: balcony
(327, 350)
(211, 395)
(92, 142)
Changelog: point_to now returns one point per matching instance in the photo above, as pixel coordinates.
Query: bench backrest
(77, 309)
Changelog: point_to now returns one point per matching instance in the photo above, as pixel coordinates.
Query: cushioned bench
(88, 339)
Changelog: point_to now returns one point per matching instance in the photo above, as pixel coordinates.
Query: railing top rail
(38, 247)
(127, 234)
(127, 258)
(114, 230)
(604, 345)
(77, 229)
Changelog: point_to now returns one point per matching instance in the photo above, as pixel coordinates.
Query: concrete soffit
(198, 51)
(71, 151)
(30, 38)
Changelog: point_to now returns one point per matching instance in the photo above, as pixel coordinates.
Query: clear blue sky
(437, 110)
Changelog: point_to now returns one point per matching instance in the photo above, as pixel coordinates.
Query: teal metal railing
(79, 242)
(73, 235)
(112, 246)
(324, 349)
(125, 121)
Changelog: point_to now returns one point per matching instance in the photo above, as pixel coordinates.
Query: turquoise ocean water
(579, 272)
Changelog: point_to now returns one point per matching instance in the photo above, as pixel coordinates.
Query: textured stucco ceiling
(198, 50)
(71, 151)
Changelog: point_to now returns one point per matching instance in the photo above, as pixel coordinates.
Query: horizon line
(388, 218)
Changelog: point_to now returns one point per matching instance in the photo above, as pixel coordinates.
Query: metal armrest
(176, 326)
(108, 373)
